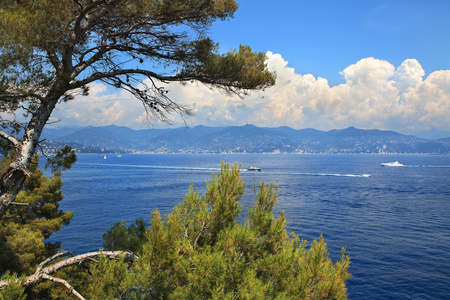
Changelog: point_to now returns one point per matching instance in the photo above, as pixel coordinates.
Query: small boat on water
(365, 175)
(254, 169)
(392, 164)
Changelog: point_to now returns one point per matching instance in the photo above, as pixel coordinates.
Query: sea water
(394, 224)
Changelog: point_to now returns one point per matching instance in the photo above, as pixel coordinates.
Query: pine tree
(119, 237)
(34, 216)
(52, 50)
(32, 220)
(199, 251)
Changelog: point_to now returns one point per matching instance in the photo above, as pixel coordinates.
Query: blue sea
(394, 224)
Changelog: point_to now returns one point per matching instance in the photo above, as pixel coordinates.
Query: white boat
(392, 164)
(365, 175)
(254, 169)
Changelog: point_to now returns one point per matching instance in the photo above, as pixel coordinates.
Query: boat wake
(331, 174)
(218, 169)
(425, 166)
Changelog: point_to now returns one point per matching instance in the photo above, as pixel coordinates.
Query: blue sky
(369, 64)
(324, 37)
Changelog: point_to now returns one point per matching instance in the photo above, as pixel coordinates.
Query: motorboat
(254, 169)
(365, 175)
(392, 164)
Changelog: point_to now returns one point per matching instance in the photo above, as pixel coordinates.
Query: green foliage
(54, 47)
(24, 228)
(62, 160)
(244, 68)
(110, 279)
(119, 237)
(14, 290)
(199, 251)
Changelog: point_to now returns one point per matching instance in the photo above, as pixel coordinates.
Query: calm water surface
(394, 224)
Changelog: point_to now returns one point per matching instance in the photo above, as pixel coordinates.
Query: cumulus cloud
(103, 106)
(375, 94)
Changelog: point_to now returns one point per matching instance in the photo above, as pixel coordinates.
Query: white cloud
(101, 107)
(408, 75)
(375, 95)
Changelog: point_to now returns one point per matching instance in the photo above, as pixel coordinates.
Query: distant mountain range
(238, 139)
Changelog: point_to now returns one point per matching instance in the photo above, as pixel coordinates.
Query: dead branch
(20, 204)
(65, 283)
(42, 273)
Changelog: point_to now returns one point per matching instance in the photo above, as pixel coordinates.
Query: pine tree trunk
(13, 177)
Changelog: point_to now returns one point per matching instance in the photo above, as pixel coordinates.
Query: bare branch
(65, 283)
(42, 149)
(43, 273)
(112, 74)
(79, 4)
(53, 57)
(9, 138)
(53, 122)
(53, 257)
(20, 204)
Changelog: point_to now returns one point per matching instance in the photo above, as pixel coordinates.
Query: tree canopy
(33, 218)
(51, 50)
(201, 251)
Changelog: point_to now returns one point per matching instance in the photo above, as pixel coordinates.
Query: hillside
(240, 139)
